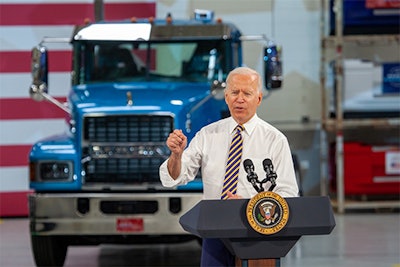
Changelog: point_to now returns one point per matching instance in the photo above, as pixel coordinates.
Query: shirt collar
(248, 126)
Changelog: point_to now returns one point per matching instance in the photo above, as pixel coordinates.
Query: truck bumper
(113, 214)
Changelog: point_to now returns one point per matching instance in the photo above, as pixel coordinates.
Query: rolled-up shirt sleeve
(166, 179)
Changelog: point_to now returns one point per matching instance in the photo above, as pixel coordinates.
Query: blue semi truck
(132, 83)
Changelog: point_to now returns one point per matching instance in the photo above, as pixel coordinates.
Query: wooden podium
(227, 220)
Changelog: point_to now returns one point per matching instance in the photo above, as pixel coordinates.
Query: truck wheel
(48, 251)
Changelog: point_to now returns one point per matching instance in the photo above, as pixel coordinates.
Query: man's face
(243, 97)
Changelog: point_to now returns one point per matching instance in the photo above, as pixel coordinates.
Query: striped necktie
(233, 164)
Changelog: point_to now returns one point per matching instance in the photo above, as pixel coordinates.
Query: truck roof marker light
(169, 19)
(219, 20)
(151, 20)
(86, 21)
(133, 19)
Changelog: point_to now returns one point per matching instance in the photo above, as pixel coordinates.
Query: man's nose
(240, 97)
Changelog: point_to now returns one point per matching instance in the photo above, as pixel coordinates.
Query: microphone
(270, 174)
(251, 175)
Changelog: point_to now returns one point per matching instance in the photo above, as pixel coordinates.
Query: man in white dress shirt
(209, 150)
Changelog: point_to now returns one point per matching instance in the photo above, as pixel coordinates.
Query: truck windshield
(199, 61)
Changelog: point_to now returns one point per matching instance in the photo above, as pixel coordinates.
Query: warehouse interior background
(367, 127)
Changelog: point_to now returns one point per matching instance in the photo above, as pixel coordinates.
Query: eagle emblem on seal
(268, 213)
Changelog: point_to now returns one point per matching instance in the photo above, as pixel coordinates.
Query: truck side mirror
(272, 67)
(39, 70)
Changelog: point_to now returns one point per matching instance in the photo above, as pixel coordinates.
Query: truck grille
(143, 128)
(116, 137)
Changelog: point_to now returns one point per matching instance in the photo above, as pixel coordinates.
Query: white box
(358, 78)
(362, 89)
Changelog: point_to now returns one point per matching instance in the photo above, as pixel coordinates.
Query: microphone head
(267, 162)
(248, 165)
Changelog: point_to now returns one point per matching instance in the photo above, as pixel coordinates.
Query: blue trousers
(214, 253)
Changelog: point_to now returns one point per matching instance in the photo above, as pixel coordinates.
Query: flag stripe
(14, 204)
(26, 108)
(69, 14)
(14, 155)
(16, 85)
(14, 179)
(23, 38)
(27, 132)
(20, 61)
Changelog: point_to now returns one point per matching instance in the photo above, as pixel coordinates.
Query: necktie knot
(239, 128)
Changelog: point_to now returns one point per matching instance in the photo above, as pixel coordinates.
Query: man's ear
(260, 96)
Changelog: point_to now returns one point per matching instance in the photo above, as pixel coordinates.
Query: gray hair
(245, 71)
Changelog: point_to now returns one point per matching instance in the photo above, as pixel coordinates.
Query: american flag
(22, 120)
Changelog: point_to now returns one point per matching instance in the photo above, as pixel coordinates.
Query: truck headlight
(53, 171)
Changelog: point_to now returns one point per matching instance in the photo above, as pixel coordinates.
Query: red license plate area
(130, 225)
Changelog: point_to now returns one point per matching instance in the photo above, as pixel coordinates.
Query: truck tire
(48, 251)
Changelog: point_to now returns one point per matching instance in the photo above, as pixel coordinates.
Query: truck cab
(132, 83)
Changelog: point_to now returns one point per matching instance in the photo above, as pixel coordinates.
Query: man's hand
(233, 196)
(177, 142)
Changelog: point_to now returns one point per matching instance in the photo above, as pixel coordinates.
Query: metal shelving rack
(339, 124)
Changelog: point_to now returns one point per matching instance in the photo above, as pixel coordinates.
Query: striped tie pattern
(233, 164)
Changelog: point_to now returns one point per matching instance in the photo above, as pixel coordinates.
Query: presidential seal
(267, 212)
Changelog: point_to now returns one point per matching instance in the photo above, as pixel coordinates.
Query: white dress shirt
(208, 151)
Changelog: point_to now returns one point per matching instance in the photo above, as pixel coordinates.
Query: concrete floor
(358, 240)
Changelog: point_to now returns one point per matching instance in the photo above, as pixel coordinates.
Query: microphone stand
(253, 179)
(272, 178)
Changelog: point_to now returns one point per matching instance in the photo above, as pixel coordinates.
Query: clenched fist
(177, 142)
